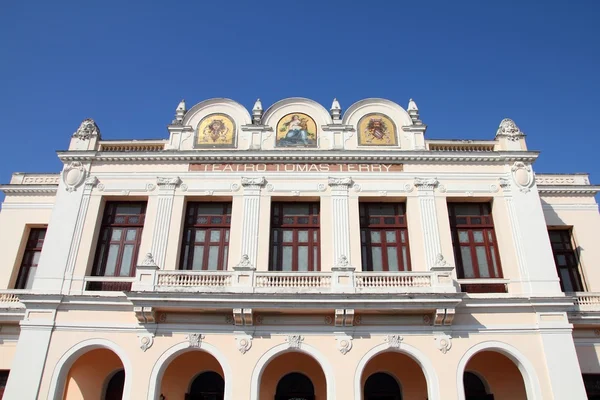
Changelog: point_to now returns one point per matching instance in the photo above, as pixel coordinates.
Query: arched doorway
(382, 386)
(293, 375)
(475, 387)
(295, 386)
(99, 373)
(490, 375)
(193, 375)
(114, 388)
(207, 386)
(400, 375)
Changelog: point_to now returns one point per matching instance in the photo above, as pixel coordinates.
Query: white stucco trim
(433, 387)
(170, 354)
(530, 379)
(63, 366)
(284, 348)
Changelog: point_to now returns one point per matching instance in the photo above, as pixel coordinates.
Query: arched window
(382, 386)
(295, 386)
(207, 386)
(475, 388)
(114, 389)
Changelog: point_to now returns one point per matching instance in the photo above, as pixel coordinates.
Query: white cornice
(573, 190)
(388, 156)
(28, 189)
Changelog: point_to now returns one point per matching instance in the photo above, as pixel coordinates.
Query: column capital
(426, 183)
(340, 183)
(253, 183)
(168, 183)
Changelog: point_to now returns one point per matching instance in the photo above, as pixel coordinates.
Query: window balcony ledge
(111, 284)
(11, 307)
(586, 301)
(250, 281)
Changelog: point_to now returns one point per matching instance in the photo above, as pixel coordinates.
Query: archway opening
(99, 373)
(382, 386)
(114, 388)
(400, 374)
(193, 375)
(490, 375)
(295, 386)
(293, 375)
(207, 386)
(475, 387)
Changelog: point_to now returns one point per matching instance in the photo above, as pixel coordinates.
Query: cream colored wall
(585, 223)
(89, 375)
(588, 354)
(406, 371)
(179, 375)
(7, 354)
(342, 367)
(14, 229)
(288, 363)
(281, 187)
(501, 374)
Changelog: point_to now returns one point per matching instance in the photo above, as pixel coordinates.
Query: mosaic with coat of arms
(377, 130)
(215, 130)
(296, 130)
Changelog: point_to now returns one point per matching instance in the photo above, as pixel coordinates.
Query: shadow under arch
(173, 352)
(64, 364)
(283, 348)
(530, 379)
(433, 391)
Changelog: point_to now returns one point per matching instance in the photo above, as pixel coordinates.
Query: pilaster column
(529, 232)
(429, 219)
(252, 187)
(88, 186)
(27, 368)
(341, 226)
(564, 372)
(162, 223)
(60, 244)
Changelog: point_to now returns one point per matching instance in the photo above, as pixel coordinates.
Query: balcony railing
(10, 298)
(587, 301)
(150, 278)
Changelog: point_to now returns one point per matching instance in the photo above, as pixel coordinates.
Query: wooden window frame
(570, 253)
(33, 245)
(279, 223)
(487, 226)
(193, 224)
(105, 238)
(368, 224)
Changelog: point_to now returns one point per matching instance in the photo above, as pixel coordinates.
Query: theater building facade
(299, 253)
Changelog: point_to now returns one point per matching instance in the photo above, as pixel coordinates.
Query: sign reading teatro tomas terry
(296, 167)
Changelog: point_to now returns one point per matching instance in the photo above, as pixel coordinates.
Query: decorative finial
(509, 129)
(149, 261)
(257, 112)
(87, 129)
(412, 105)
(413, 112)
(179, 113)
(336, 110)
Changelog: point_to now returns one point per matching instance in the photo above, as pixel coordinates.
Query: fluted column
(162, 223)
(339, 211)
(429, 219)
(252, 187)
(88, 186)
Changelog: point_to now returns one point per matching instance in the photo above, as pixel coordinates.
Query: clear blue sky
(468, 64)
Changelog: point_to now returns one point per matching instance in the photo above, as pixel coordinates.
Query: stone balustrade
(339, 280)
(587, 301)
(10, 298)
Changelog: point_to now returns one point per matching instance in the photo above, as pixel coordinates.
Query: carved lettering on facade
(316, 167)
